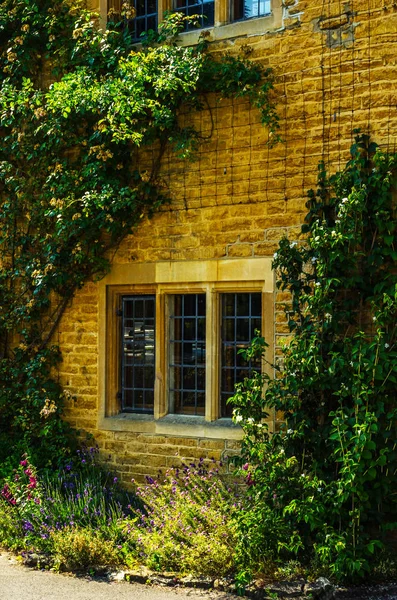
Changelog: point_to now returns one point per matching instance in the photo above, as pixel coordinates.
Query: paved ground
(20, 583)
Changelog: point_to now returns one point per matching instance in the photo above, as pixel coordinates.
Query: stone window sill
(178, 425)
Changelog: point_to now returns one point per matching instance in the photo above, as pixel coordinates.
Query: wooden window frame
(163, 293)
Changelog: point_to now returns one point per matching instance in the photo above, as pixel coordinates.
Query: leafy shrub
(323, 489)
(186, 524)
(77, 548)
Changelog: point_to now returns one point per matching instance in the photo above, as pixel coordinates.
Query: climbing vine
(78, 105)
(323, 488)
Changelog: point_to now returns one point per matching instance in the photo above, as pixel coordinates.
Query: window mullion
(222, 12)
(212, 356)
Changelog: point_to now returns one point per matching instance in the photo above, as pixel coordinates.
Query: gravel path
(20, 583)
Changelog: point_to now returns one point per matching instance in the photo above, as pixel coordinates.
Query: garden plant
(323, 488)
(80, 519)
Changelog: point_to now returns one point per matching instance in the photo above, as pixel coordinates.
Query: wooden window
(187, 341)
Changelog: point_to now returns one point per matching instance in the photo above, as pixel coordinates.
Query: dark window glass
(246, 9)
(137, 355)
(187, 354)
(241, 315)
(144, 20)
(204, 9)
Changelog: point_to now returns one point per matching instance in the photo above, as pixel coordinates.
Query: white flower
(374, 318)
(318, 284)
(275, 255)
(289, 431)
(314, 259)
(282, 451)
(293, 244)
(387, 346)
(250, 420)
(303, 475)
(344, 200)
(351, 363)
(238, 419)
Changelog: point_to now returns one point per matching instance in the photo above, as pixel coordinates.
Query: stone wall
(335, 68)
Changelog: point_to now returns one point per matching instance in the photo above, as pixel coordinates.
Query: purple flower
(27, 526)
(24, 463)
(245, 467)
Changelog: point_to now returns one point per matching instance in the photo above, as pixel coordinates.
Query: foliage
(185, 524)
(323, 488)
(80, 496)
(78, 108)
(77, 548)
(79, 518)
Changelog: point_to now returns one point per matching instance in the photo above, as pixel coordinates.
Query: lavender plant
(186, 522)
(81, 495)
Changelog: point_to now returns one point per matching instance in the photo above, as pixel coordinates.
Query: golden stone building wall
(335, 68)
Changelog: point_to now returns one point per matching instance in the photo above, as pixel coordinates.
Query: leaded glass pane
(138, 353)
(241, 315)
(204, 9)
(247, 9)
(187, 354)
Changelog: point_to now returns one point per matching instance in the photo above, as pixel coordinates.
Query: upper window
(205, 9)
(246, 9)
(145, 17)
(148, 13)
(140, 17)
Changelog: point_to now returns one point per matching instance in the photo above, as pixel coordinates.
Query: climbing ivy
(78, 106)
(323, 487)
